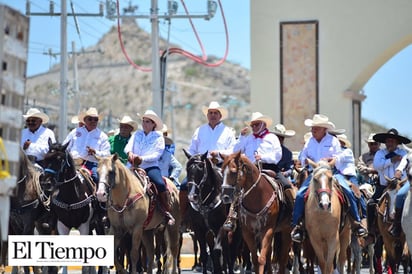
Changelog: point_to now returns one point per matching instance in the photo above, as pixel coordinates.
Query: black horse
(208, 213)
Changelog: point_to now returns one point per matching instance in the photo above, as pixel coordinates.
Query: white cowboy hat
(336, 131)
(257, 116)
(280, 130)
(127, 120)
(319, 120)
(307, 136)
(150, 114)
(91, 112)
(217, 106)
(370, 138)
(344, 139)
(165, 129)
(34, 112)
(392, 133)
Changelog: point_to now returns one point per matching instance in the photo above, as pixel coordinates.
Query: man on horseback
(213, 137)
(286, 163)
(321, 146)
(88, 141)
(119, 141)
(365, 161)
(168, 164)
(260, 147)
(391, 163)
(35, 137)
(144, 149)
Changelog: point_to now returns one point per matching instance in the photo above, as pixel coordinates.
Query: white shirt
(80, 138)
(268, 148)
(39, 141)
(221, 138)
(345, 162)
(328, 147)
(384, 166)
(149, 147)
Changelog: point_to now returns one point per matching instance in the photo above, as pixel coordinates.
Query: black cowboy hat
(392, 133)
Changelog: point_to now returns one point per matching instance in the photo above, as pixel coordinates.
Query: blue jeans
(155, 176)
(92, 166)
(299, 208)
(354, 180)
(401, 195)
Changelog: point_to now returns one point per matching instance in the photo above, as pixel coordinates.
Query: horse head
(238, 173)
(203, 180)
(57, 163)
(107, 174)
(322, 184)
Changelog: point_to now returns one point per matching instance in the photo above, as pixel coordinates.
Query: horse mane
(33, 175)
(123, 174)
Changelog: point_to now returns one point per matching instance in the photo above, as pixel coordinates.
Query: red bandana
(262, 134)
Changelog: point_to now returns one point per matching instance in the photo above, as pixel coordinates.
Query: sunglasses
(92, 119)
(31, 121)
(255, 124)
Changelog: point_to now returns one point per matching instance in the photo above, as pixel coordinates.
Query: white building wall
(355, 39)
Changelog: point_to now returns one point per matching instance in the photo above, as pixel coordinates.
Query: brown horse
(128, 210)
(385, 209)
(261, 200)
(323, 213)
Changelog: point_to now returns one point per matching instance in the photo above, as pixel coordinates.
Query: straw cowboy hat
(257, 116)
(280, 130)
(370, 138)
(344, 139)
(165, 130)
(91, 112)
(127, 120)
(392, 133)
(34, 112)
(78, 118)
(320, 120)
(217, 106)
(150, 114)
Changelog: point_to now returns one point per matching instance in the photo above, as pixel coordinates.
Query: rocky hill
(108, 82)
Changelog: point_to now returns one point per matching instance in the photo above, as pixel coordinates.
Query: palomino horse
(128, 205)
(385, 215)
(323, 214)
(208, 213)
(260, 200)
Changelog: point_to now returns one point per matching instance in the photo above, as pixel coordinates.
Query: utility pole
(63, 57)
(154, 17)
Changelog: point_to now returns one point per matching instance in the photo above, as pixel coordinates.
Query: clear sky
(390, 84)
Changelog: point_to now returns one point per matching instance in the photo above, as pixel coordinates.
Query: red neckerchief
(262, 134)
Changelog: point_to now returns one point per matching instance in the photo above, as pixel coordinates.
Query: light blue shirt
(149, 147)
(384, 166)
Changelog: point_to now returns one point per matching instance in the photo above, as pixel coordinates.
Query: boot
(297, 234)
(395, 229)
(165, 202)
(359, 229)
(183, 203)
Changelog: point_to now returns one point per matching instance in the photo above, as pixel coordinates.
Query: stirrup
(229, 225)
(297, 234)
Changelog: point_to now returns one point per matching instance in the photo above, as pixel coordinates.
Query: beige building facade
(315, 56)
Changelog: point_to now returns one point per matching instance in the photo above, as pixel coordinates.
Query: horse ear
(64, 146)
(223, 156)
(204, 156)
(115, 157)
(188, 155)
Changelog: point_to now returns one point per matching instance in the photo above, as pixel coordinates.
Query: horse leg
(148, 243)
(172, 244)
